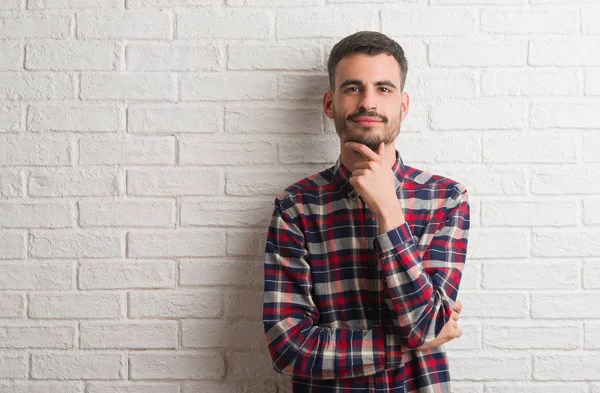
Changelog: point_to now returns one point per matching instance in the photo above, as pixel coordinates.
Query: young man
(364, 260)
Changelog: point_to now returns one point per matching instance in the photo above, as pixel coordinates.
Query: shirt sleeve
(421, 282)
(298, 346)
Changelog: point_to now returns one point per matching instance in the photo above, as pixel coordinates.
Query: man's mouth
(367, 120)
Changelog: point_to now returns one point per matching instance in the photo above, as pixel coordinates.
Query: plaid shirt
(346, 307)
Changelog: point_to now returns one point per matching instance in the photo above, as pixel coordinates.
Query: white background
(142, 145)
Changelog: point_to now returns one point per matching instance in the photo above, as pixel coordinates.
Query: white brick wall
(142, 143)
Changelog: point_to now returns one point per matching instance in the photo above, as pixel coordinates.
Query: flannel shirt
(345, 308)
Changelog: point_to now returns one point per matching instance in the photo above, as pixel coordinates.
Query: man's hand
(450, 330)
(376, 184)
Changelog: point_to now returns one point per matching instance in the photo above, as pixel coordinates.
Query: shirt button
(371, 219)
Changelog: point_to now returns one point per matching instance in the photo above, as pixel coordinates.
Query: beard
(349, 131)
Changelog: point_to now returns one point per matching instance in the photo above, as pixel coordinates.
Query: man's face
(367, 105)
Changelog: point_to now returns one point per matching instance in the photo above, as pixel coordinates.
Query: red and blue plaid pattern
(346, 307)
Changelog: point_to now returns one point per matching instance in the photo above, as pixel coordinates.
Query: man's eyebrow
(385, 83)
(350, 82)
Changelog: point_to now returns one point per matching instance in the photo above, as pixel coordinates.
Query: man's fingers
(364, 150)
(457, 306)
(454, 315)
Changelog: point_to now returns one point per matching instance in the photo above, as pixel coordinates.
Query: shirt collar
(342, 175)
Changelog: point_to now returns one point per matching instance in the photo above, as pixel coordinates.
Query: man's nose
(367, 102)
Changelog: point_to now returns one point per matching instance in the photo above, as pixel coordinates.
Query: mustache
(353, 116)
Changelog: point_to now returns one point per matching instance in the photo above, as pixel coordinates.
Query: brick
(566, 305)
(574, 243)
(14, 365)
(11, 56)
(128, 387)
(481, 114)
(129, 335)
(125, 25)
(268, 120)
(128, 274)
(534, 147)
(73, 182)
(244, 243)
(64, 243)
(454, 149)
(580, 367)
(536, 387)
(236, 213)
(280, 57)
(324, 151)
(11, 118)
(523, 82)
(227, 87)
(488, 180)
(218, 23)
(37, 276)
(277, 3)
(171, 118)
(592, 335)
(171, 3)
(38, 86)
(11, 183)
(529, 213)
(527, 274)
(498, 244)
(10, 5)
(250, 365)
(471, 275)
(243, 304)
(467, 387)
(199, 151)
(591, 274)
(592, 82)
(238, 272)
(438, 83)
(302, 87)
(494, 52)
(259, 183)
(12, 305)
(128, 86)
(34, 336)
(175, 304)
(216, 334)
(578, 51)
(12, 245)
(589, 19)
(532, 336)
(173, 182)
(179, 243)
(75, 305)
(565, 180)
(145, 150)
(591, 148)
(78, 365)
(35, 215)
(17, 150)
(172, 57)
(434, 21)
(80, 118)
(72, 55)
(487, 304)
(540, 21)
(69, 4)
(34, 24)
(41, 387)
(486, 367)
(128, 213)
(195, 365)
(478, 2)
(232, 386)
(325, 23)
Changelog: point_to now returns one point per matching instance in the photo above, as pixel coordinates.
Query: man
(364, 259)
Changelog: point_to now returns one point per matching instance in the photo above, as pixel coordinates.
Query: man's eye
(353, 88)
(385, 90)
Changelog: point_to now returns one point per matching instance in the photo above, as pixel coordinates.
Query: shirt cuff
(390, 240)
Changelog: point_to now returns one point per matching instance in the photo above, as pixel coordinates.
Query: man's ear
(328, 104)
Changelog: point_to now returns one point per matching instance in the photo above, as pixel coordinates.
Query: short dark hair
(371, 43)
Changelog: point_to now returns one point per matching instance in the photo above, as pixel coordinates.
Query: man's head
(367, 71)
